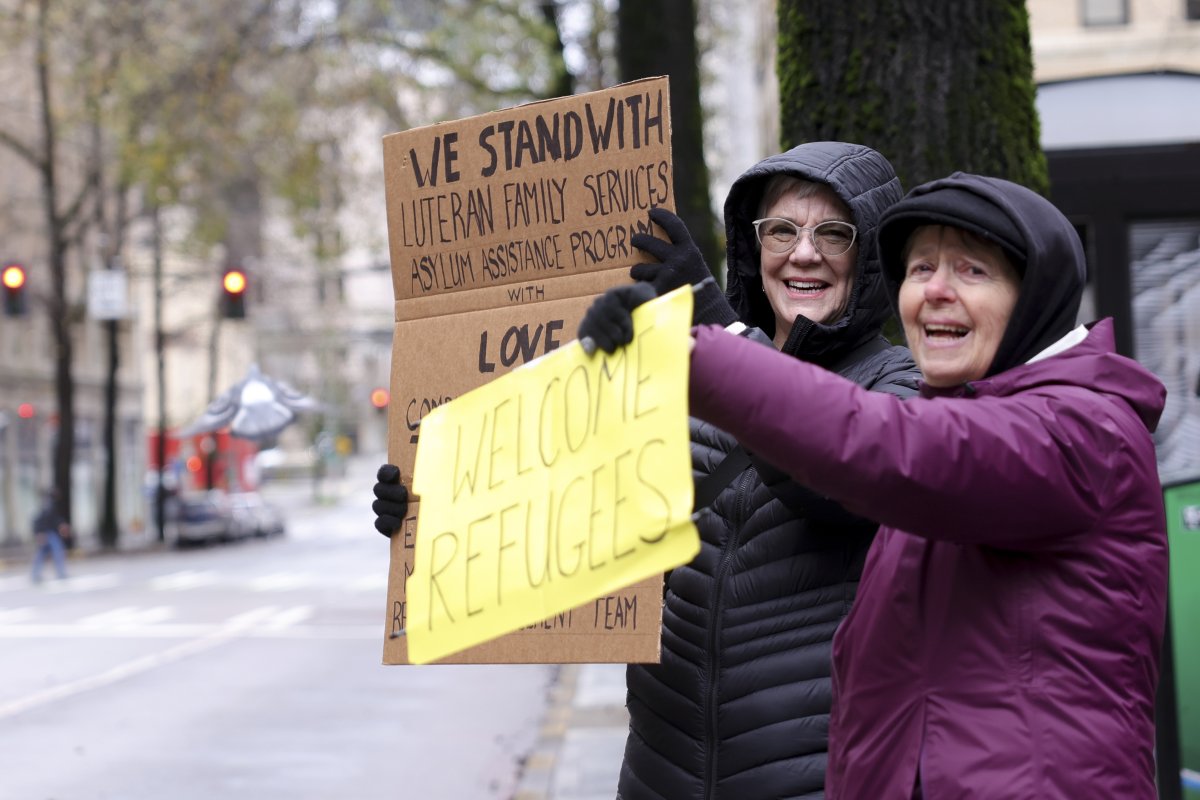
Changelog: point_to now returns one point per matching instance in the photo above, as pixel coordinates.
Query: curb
(582, 739)
(22, 557)
(537, 773)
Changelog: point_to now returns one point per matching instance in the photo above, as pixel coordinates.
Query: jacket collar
(1085, 357)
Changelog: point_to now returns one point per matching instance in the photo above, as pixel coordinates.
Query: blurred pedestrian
(50, 532)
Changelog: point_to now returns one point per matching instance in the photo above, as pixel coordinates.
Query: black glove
(609, 321)
(679, 260)
(391, 504)
(680, 263)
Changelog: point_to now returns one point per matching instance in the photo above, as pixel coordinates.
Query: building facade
(1119, 103)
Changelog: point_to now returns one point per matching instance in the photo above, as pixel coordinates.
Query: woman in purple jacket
(1005, 640)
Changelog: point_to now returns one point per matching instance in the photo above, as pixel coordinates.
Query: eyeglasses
(832, 237)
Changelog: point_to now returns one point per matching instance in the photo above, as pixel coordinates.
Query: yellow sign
(561, 481)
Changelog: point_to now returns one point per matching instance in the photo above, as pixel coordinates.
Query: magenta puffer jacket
(1005, 639)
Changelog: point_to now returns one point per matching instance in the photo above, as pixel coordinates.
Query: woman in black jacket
(739, 705)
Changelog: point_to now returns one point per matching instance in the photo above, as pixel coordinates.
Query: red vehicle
(205, 461)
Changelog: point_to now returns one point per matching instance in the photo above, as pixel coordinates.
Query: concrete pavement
(578, 755)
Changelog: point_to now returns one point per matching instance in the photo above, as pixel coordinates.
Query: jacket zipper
(710, 711)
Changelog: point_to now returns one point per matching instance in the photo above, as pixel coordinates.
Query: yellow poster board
(561, 481)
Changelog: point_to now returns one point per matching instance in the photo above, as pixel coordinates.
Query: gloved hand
(609, 321)
(680, 263)
(391, 504)
(679, 260)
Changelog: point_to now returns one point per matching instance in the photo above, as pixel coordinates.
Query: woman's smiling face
(804, 280)
(955, 302)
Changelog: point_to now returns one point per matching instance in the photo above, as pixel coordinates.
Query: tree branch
(21, 149)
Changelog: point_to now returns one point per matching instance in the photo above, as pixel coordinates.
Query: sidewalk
(19, 555)
(578, 755)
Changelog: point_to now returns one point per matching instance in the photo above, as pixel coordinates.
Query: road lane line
(230, 630)
(287, 619)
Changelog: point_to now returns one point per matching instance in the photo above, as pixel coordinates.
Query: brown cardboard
(527, 194)
(502, 229)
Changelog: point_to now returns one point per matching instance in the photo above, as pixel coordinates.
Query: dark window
(1107, 12)
(1193, 9)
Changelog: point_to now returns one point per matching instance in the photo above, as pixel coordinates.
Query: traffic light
(380, 398)
(13, 279)
(233, 294)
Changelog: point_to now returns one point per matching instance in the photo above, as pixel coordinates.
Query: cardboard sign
(528, 194)
(559, 482)
(502, 229)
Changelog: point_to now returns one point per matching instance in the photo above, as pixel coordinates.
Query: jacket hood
(867, 184)
(1040, 241)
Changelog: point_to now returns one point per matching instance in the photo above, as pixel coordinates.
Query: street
(246, 670)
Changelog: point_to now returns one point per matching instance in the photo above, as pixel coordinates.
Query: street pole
(160, 494)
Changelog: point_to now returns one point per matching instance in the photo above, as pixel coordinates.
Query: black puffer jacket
(739, 706)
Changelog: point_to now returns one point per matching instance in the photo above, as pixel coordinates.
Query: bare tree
(211, 105)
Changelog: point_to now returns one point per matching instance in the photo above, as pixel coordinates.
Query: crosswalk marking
(159, 622)
(231, 629)
(288, 618)
(128, 616)
(281, 582)
(190, 579)
(192, 631)
(187, 579)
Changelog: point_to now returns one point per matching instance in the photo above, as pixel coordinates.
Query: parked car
(254, 516)
(199, 517)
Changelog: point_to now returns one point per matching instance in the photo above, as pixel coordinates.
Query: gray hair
(782, 184)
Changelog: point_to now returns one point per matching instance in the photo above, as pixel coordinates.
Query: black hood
(1041, 242)
(867, 184)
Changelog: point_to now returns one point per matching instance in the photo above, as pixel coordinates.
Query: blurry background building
(1119, 102)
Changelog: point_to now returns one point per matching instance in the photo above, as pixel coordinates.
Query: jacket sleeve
(1017, 472)
(891, 371)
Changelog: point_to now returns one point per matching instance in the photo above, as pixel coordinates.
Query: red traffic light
(13, 280)
(233, 294)
(234, 281)
(13, 277)
(380, 398)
